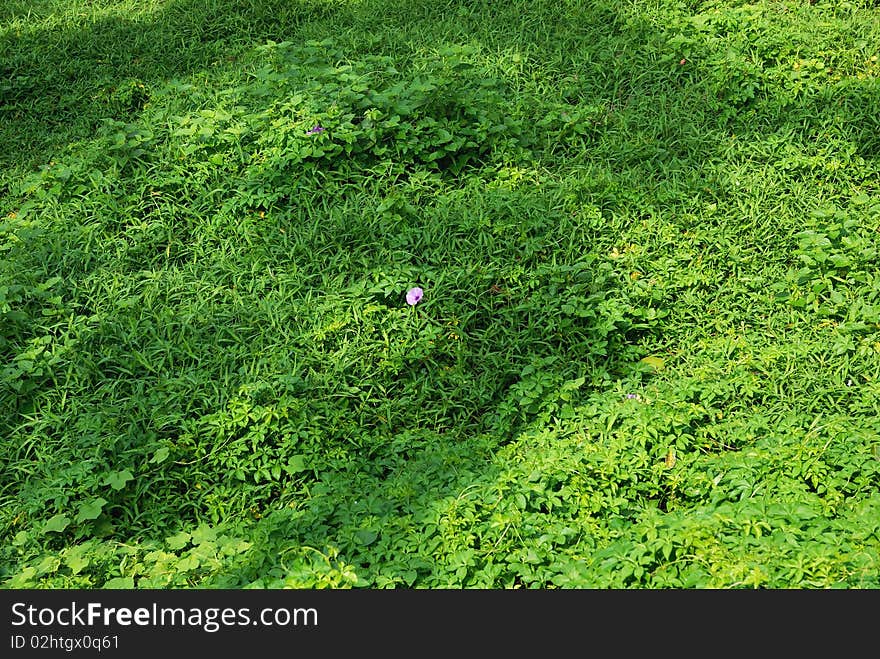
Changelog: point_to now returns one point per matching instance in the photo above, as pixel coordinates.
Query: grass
(649, 347)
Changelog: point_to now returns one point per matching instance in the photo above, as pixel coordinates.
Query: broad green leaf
(296, 464)
(187, 563)
(77, 559)
(366, 536)
(49, 565)
(56, 524)
(178, 541)
(24, 579)
(159, 456)
(118, 479)
(203, 533)
(91, 509)
(656, 363)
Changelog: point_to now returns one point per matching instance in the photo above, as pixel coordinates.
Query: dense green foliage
(649, 348)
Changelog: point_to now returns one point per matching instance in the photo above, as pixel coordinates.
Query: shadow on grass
(61, 76)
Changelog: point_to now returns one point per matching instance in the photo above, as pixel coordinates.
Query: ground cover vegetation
(648, 348)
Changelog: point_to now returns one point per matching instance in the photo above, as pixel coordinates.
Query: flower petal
(414, 296)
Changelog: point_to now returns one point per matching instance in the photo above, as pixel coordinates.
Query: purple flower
(414, 296)
(633, 396)
(315, 130)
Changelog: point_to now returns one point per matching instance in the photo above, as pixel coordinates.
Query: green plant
(646, 354)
